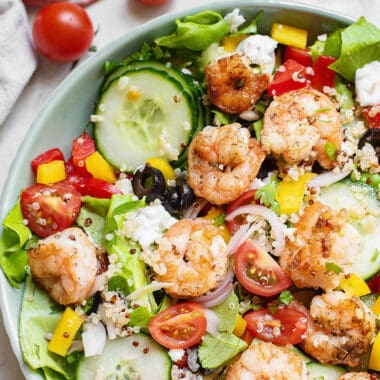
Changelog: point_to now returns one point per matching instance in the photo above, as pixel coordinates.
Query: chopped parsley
(375, 255)
(219, 220)
(332, 267)
(330, 150)
(267, 196)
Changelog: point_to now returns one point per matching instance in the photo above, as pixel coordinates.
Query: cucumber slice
(150, 115)
(318, 371)
(134, 357)
(363, 208)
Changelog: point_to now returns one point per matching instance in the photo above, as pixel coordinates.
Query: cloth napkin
(17, 58)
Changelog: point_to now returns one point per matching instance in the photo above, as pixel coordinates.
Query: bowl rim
(7, 196)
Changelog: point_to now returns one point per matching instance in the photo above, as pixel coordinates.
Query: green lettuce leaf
(227, 312)
(39, 315)
(196, 32)
(13, 257)
(360, 44)
(225, 344)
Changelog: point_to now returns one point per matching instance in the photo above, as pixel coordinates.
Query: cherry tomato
(244, 199)
(153, 3)
(290, 76)
(46, 157)
(83, 146)
(374, 283)
(302, 56)
(258, 272)
(179, 326)
(93, 187)
(50, 208)
(285, 326)
(62, 32)
(372, 116)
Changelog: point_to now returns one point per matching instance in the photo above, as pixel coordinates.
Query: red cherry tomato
(46, 157)
(83, 146)
(50, 208)
(258, 272)
(372, 116)
(93, 187)
(180, 326)
(62, 32)
(153, 3)
(374, 283)
(285, 326)
(244, 199)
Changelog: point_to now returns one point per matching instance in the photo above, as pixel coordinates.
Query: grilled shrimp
(299, 124)
(232, 86)
(266, 361)
(65, 265)
(322, 250)
(358, 376)
(192, 257)
(340, 330)
(222, 162)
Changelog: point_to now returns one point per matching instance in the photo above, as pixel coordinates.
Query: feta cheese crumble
(234, 19)
(367, 83)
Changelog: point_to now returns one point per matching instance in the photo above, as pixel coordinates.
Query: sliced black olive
(147, 181)
(93, 303)
(186, 195)
(371, 136)
(268, 165)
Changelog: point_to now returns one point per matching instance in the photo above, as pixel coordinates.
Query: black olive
(93, 303)
(268, 165)
(186, 195)
(147, 181)
(371, 136)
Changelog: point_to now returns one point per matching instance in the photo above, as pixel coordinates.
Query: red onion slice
(193, 211)
(237, 239)
(278, 227)
(327, 178)
(222, 297)
(94, 338)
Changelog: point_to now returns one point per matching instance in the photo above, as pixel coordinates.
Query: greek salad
(218, 218)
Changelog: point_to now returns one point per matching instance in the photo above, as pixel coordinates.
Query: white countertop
(115, 17)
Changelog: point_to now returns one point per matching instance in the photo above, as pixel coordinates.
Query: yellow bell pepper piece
(290, 194)
(355, 286)
(289, 35)
(213, 214)
(51, 172)
(374, 359)
(65, 331)
(163, 166)
(230, 43)
(100, 168)
(240, 326)
(376, 307)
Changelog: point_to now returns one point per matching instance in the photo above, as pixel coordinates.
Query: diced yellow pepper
(213, 213)
(51, 172)
(290, 194)
(355, 286)
(65, 331)
(230, 43)
(374, 359)
(376, 307)
(163, 166)
(289, 35)
(100, 168)
(240, 326)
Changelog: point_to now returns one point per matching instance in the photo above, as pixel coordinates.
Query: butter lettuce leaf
(227, 313)
(196, 32)
(360, 44)
(217, 350)
(13, 257)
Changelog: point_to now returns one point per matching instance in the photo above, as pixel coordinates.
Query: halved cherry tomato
(323, 76)
(291, 75)
(258, 272)
(244, 199)
(374, 283)
(46, 157)
(302, 56)
(93, 186)
(285, 326)
(83, 146)
(372, 118)
(50, 208)
(180, 326)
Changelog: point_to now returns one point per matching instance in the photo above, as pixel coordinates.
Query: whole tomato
(62, 32)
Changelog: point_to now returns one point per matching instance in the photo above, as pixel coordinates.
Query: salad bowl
(68, 110)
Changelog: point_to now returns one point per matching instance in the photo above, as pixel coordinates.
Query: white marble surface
(114, 17)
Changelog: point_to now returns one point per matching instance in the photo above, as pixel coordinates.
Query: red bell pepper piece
(372, 116)
(323, 76)
(290, 76)
(302, 56)
(46, 157)
(374, 283)
(83, 146)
